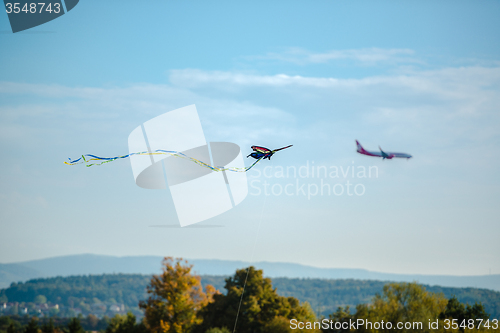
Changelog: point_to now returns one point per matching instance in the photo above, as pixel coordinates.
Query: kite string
(90, 158)
(251, 258)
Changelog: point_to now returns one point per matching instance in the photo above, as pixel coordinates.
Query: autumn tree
(218, 330)
(175, 296)
(262, 309)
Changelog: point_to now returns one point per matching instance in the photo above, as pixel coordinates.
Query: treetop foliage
(251, 304)
(175, 296)
(407, 303)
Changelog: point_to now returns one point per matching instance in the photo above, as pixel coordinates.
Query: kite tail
(89, 158)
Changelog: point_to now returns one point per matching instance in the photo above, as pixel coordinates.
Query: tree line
(88, 292)
(177, 302)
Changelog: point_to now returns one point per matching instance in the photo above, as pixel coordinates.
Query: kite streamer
(88, 159)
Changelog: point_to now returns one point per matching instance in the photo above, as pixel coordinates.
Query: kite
(262, 152)
(259, 154)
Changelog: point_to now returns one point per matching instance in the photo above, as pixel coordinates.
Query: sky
(416, 77)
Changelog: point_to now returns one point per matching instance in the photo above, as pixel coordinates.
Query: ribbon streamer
(88, 158)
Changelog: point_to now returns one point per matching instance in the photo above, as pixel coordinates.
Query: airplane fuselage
(381, 153)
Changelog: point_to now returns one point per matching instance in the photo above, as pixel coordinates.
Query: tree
(175, 297)
(407, 303)
(74, 326)
(456, 310)
(12, 328)
(14, 310)
(342, 315)
(262, 309)
(49, 327)
(401, 303)
(40, 299)
(125, 324)
(32, 326)
(92, 322)
(218, 330)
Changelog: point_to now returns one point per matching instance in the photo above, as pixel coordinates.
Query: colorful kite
(262, 152)
(259, 154)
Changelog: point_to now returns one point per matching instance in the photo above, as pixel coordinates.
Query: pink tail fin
(359, 146)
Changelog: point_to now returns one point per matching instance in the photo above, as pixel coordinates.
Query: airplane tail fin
(359, 147)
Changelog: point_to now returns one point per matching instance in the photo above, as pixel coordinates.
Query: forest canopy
(324, 296)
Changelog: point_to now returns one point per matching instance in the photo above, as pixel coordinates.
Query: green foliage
(74, 326)
(325, 296)
(14, 310)
(261, 309)
(125, 324)
(404, 302)
(12, 328)
(89, 323)
(40, 299)
(456, 310)
(49, 327)
(8, 325)
(62, 290)
(342, 315)
(80, 292)
(277, 325)
(218, 330)
(32, 327)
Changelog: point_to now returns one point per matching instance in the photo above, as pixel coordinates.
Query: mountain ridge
(85, 264)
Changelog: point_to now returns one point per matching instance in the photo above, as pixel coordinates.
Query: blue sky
(416, 77)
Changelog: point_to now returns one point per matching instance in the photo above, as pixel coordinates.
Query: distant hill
(14, 272)
(98, 264)
(88, 292)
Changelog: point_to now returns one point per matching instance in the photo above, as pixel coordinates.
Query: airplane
(260, 152)
(382, 153)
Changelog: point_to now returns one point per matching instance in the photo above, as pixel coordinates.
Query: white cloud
(366, 56)
(94, 111)
(457, 80)
(445, 108)
(442, 105)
